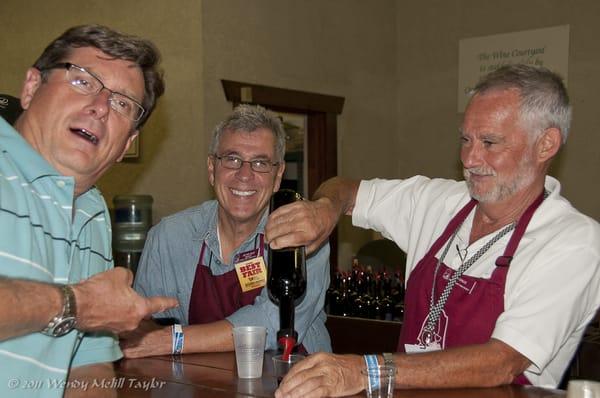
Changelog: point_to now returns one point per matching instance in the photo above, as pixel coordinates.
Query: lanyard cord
(435, 309)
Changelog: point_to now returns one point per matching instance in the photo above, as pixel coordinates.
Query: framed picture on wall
(295, 154)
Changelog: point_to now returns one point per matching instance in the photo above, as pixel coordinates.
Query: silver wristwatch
(388, 359)
(65, 321)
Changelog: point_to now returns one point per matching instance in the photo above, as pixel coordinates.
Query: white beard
(504, 188)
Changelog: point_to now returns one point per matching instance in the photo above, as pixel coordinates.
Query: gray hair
(116, 44)
(249, 118)
(544, 98)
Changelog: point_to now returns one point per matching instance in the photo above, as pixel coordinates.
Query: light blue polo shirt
(44, 238)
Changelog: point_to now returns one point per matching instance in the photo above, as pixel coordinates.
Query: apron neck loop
(452, 226)
(261, 248)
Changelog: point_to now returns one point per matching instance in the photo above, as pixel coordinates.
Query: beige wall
(427, 65)
(395, 63)
(343, 48)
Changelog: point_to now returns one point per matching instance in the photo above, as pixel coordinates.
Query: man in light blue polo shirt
(62, 303)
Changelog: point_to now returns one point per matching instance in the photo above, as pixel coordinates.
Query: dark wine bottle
(344, 301)
(332, 296)
(286, 277)
(387, 304)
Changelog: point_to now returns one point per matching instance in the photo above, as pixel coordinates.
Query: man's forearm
(341, 192)
(484, 365)
(151, 340)
(104, 302)
(210, 337)
(26, 306)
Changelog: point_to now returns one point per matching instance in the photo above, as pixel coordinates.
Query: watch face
(64, 327)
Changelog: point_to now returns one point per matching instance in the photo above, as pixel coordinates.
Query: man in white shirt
(503, 274)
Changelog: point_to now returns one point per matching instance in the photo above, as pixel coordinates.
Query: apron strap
(261, 247)
(202, 253)
(505, 259)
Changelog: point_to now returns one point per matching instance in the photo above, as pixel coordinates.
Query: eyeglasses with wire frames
(235, 162)
(86, 83)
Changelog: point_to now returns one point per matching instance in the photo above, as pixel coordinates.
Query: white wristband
(372, 363)
(177, 333)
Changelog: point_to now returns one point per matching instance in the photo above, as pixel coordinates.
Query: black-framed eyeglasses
(87, 83)
(235, 162)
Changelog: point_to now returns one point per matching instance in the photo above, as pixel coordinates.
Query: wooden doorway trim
(321, 111)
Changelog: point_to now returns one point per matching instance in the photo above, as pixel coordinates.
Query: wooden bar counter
(214, 375)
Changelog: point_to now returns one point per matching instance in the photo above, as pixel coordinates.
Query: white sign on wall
(477, 56)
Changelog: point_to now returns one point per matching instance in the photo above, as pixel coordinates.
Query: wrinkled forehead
(116, 74)
(256, 142)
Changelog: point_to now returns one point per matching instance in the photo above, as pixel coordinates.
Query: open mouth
(86, 134)
(242, 193)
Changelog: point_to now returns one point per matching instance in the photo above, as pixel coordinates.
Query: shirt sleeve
(389, 206)
(154, 279)
(97, 348)
(309, 317)
(410, 212)
(552, 297)
(148, 281)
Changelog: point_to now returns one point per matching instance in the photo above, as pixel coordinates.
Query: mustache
(480, 171)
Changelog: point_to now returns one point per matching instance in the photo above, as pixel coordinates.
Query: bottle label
(251, 273)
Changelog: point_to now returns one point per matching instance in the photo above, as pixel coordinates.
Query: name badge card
(251, 270)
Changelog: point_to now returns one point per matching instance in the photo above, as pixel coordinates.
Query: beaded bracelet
(177, 333)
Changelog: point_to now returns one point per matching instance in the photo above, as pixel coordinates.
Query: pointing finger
(161, 303)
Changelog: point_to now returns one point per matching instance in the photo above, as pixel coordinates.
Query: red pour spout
(288, 344)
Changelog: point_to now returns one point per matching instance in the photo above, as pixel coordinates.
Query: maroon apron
(214, 297)
(474, 304)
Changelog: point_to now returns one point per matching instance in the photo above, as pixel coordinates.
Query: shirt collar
(14, 143)
(211, 239)
(552, 185)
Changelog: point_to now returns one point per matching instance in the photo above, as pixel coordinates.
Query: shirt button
(60, 183)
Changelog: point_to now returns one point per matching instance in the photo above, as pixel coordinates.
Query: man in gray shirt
(194, 254)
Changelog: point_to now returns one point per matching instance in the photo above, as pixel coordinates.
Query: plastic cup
(380, 381)
(250, 387)
(249, 344)
(583, 389)
(281, 367)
